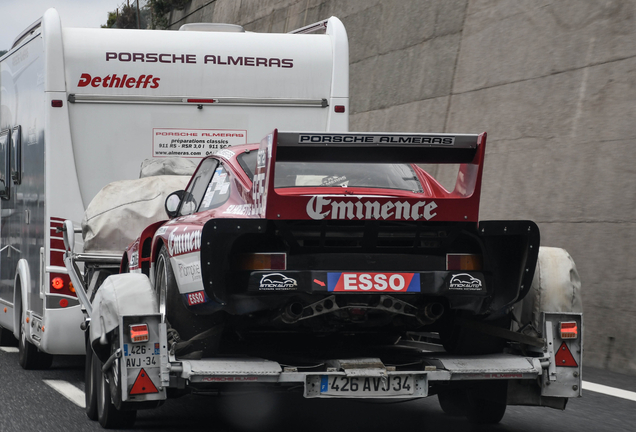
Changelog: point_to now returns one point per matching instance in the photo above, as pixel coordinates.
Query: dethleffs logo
(319, 208)
(116, 81)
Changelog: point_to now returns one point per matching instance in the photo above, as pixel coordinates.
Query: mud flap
(563, 378)
(143, 361)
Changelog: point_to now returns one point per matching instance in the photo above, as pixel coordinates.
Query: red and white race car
(334, 239)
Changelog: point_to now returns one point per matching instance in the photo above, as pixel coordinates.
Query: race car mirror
(172, 203)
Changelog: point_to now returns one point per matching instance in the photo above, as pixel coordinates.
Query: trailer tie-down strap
(180, 345)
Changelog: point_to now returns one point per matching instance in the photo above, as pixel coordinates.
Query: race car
(335, 239)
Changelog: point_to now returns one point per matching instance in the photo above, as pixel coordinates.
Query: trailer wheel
(90, 395)
(30, 357)
(107, 413)
(453, 401)
(487, 402)
(177, 315)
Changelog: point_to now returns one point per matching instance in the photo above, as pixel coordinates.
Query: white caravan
(81, 108)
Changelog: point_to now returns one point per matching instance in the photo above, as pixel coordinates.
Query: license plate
(357, 386)
(141, 355)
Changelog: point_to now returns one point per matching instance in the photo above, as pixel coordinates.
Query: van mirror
(172, 203)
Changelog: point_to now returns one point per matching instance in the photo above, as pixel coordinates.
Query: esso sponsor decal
(373, 282)
(195, 298)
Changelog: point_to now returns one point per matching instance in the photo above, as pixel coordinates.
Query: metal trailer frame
(534, 378)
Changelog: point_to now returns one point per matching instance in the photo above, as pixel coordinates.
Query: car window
(198, 187)
(321, 174)
(218, 190)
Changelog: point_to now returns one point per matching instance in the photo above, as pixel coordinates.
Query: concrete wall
(554, 85)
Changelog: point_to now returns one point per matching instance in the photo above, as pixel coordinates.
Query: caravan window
(5, 141)
(16, 155)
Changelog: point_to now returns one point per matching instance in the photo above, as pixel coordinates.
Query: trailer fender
(556, 287)
(21, 285)
(119, 295)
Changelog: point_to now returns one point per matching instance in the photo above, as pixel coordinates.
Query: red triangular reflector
(143, 384)
(564, 357)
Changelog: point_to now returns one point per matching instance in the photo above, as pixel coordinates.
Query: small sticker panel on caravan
(194, 143)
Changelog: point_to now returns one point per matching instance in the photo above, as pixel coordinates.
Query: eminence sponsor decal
(373, 282)
(277, 282)
(375, 139)
(465, 282)
(320, 207)
(185, 242)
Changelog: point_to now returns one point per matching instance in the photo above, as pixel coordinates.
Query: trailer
(332, 264)
(81, 108)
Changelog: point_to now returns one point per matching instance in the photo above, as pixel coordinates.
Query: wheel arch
(21, 284)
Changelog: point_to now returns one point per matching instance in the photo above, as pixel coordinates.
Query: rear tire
(90, 394)
(30, 357)
(108, 415)
(487, 402)
(178, 316)
(454, 402)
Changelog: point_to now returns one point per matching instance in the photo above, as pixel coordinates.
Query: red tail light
(262, 261)
(61, 284)
(569, 330)
(466, 262)
(139, 333)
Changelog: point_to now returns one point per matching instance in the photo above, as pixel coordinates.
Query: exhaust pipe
(292, 313)
(430, 313)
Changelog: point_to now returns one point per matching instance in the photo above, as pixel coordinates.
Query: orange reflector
(564, 357)
(71, 287)
(57, 283)
(263, 261)
(27, 319)
(139, 333)
(463, 262)
(143, 384)
(569, 330)
(63, 303)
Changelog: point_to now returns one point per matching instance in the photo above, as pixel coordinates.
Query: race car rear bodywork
(325, 233)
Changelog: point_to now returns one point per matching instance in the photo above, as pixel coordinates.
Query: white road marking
(611, 391)
(9, 349)
(68, 390)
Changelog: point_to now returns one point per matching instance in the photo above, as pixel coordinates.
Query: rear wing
(462, 204)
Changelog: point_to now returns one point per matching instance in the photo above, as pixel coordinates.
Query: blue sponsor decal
(324, 383)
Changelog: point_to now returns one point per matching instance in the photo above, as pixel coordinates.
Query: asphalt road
(28, 403)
